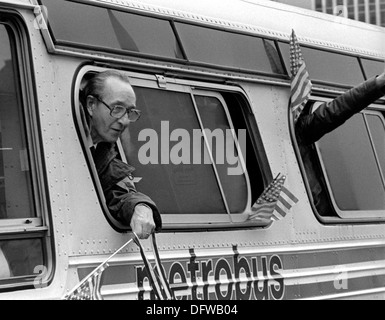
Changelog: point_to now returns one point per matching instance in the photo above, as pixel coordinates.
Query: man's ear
(90, 101)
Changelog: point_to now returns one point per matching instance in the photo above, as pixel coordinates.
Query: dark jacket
(312, 126)
(116, 179)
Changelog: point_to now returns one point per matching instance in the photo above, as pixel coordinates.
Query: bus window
(184, 185)
(110, 30)
(356, 183)
(328, 67)
(21, 257)
(21, 224)
(228, 49)
(198, 174)
(14, 167)
(194, 154)
(372, 67)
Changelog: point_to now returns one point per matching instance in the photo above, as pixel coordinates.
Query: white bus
(202, 64)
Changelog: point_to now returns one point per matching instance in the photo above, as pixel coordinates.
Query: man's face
(104, 127)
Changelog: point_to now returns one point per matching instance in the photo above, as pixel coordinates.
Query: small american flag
(275, 202)
(90, 288)
(301, 85)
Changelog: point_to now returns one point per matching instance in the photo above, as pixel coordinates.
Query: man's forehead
(117, 87)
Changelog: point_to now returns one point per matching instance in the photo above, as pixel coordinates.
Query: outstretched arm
(329, 116)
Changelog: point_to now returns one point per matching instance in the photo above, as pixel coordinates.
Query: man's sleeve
(122, 199)
(118, 187)
(329, 116)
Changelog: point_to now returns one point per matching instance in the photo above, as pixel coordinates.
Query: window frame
(180, 222)
(28, 228)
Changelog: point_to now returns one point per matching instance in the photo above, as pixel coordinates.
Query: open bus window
(353, 162)
(21, 226)
(199, 173)
(193, 152)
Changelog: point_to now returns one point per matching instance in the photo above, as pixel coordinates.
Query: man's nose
(124, 120)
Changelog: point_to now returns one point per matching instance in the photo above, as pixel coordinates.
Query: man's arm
(133, 209)
(329, 116)
(124, 202)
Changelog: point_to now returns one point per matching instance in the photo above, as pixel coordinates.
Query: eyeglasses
(118, 111)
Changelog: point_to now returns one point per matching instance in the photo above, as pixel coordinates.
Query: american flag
(275, 202)
(90, 288)
(300, 84)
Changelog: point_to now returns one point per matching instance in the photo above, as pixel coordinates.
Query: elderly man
(312, 126)
(110, 105)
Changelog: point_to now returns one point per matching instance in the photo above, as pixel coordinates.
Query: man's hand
(381, 80)
(142, 222)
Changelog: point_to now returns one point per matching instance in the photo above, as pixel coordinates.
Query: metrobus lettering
(237, 277)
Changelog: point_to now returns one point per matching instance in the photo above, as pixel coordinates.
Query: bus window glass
(21, 250)
(229, 49)
(327, 66)
(165, 154)
(351, 167)
(377, 130)
(372, 67)
(109, 29)
(16, 199)
(225, 155)
(20, 258)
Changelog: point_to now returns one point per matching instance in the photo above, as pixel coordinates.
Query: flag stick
(98, 268)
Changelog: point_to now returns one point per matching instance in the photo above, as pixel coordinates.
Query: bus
(218, 68)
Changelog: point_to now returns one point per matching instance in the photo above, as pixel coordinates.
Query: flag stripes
(89, 289)
(286, 201)
(275, 202)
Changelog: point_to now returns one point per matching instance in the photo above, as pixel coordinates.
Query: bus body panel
(295, 258)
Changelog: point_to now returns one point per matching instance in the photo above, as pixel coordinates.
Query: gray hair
(95, 85)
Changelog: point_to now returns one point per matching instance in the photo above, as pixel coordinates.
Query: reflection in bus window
(354, 180)
(15, 180)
